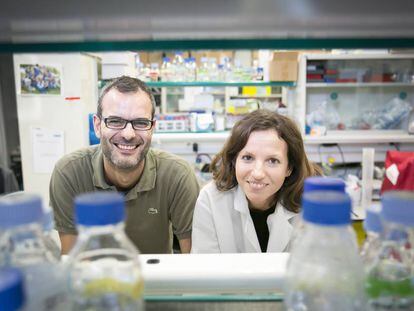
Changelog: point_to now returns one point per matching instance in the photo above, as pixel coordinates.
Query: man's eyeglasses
(140, 124)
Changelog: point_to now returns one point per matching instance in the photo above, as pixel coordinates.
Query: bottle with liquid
(190, 69)
(166, 71)
(373, 229)
(23, 246)
(319, 183)
(154, 72)
(228, 69)
(212, 69)
(389, 283)
(203, 70)
(12, 296)
(324, 271)
(104, 270)
(178, 67)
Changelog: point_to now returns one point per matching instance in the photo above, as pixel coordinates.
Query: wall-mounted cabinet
(367, 97)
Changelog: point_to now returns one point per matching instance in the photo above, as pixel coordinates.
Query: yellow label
(249, 90)
(105, 285)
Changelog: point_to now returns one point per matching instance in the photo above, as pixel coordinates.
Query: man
(160, 188)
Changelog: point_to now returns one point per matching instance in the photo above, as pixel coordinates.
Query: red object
(402, 164)
(72, 98)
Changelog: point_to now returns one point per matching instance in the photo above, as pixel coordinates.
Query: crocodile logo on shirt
(152, 211)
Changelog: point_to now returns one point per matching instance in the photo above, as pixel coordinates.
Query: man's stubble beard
(120, 163)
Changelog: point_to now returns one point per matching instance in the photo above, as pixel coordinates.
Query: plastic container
(203, 70)
(323, 183)
(318, 183)
(324, 271)
(389, 283)
(166, 70)
(49, 235)
(190, 69)
(373, 229)
(23, 245)
(178, 66)
(104, 271)
(12, 296)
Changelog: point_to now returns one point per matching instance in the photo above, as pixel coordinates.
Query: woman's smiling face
(261, 167)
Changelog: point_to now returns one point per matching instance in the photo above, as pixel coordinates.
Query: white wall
(56, 112)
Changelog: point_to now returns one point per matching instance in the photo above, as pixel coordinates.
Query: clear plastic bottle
(178, 67)
(190, 69)
(12, 296)
(319, 183)
(228, 69)
(324, 271)
(212, 69)
(203, 70)
(221, 73)
(23, 246)
(238, 72)
(389, 283)
(50, 236)
(154, 72)
(373, 228)
(166, 71)
(104, 271)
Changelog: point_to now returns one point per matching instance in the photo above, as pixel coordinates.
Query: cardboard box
(284, 66)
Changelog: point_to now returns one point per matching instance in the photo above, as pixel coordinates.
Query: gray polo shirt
(161, 202)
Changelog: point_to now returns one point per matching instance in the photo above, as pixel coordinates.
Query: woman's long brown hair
(223, 164)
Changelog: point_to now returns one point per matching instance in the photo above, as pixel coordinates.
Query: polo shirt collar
(145, 183)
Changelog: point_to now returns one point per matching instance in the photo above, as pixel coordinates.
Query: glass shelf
(223, 84)
(368, 84)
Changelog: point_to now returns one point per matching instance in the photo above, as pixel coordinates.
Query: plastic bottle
(23, 246)
(319, 183)
(190, 69)
(212, 69)
(203, 70)
(324, 271)
(373, 228)
(154, 72)
(104, 271)
(238, 72)
(221, 73)
(12, 296)
(389, 283)
(50, 236)
(228, 69)
(166, 70)
(178, 67)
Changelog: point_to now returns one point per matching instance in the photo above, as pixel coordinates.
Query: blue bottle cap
(398, 206)
(99, 208)
(11, 289)
(20, 209)
(324, 183)
(326, 207)
(372, 222)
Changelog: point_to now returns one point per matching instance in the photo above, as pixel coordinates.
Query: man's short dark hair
(126, 84)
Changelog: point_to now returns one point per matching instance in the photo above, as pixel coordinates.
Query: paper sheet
(48, 147)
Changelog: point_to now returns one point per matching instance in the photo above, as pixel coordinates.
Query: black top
(260, 224)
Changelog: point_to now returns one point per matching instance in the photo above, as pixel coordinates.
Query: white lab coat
(222, 224)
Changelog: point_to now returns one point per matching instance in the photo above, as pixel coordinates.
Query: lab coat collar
(280, 228)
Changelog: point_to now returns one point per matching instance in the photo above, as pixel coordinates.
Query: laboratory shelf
(220, 83)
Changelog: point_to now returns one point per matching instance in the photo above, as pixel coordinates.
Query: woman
(253, 202)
